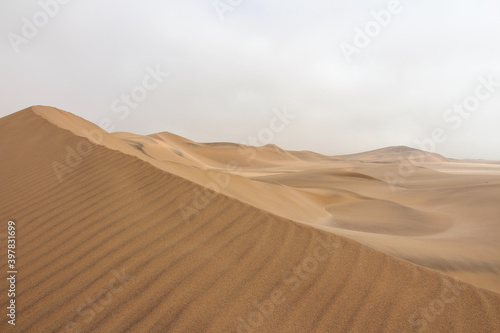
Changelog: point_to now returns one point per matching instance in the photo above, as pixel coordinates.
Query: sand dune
(440, 213)
(107, 245)
(437, 212)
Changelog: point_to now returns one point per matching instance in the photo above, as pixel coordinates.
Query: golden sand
(113, 247)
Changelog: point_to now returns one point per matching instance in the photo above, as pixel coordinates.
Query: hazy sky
(357, 75)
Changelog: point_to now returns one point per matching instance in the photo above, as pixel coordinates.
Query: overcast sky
(355, 80)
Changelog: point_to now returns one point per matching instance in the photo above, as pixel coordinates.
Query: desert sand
(117, 232)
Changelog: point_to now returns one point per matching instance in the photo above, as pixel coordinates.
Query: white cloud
(226, 76)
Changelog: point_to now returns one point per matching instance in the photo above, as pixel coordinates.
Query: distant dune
(128, 233)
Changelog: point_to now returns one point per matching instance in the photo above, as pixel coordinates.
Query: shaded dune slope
(107, 250)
